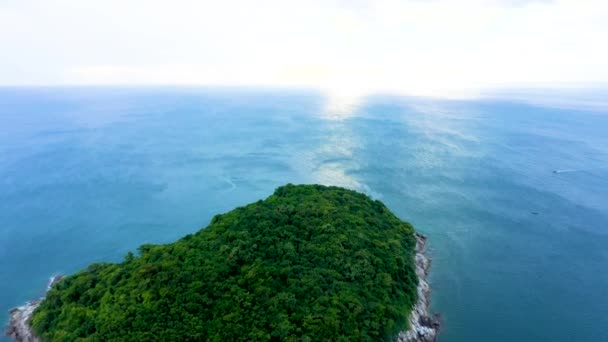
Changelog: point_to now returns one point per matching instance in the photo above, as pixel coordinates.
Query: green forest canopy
(308, 263)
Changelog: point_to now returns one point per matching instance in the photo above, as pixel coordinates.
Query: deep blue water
(520, 253)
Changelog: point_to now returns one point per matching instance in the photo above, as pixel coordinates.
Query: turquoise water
(520, 253)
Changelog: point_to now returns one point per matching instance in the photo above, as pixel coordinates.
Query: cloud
(520, 3)
(443, 47)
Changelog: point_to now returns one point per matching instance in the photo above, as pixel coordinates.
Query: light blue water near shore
(520, 253)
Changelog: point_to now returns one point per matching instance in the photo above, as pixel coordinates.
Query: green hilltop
(309, 263)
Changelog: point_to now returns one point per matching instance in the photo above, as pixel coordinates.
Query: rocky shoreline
(19, 328)
(424, 327)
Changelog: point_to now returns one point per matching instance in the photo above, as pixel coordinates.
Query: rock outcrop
(19, 328)
(424, 327)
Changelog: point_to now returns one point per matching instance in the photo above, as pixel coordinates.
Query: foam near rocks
(19, 328)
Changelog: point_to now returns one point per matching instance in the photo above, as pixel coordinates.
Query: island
(308, 263)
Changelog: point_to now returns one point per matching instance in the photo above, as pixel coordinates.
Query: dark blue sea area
(513, 196)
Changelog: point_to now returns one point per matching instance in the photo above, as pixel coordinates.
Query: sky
(435, 47)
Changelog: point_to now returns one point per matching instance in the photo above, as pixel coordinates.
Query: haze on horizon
(440, 48)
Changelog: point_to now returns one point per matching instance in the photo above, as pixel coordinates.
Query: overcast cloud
(417, 47)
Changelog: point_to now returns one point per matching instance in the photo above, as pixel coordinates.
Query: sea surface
(520, 252)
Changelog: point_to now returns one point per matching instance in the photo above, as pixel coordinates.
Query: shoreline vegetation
(310, 262)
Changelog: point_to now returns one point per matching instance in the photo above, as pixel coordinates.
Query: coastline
(424, 327)
(19, 328)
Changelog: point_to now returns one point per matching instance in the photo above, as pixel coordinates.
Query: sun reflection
(341, 105)
(335, 160)
(335, 174)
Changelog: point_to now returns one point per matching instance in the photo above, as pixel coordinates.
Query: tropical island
(308, 263)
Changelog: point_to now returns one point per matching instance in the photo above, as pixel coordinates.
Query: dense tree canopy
(309, 263)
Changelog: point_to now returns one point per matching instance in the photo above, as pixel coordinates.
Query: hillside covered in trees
(309, 263)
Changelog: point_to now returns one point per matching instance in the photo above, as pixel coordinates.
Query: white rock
(423, 326)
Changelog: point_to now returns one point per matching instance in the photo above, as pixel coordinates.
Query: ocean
(512, 196)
